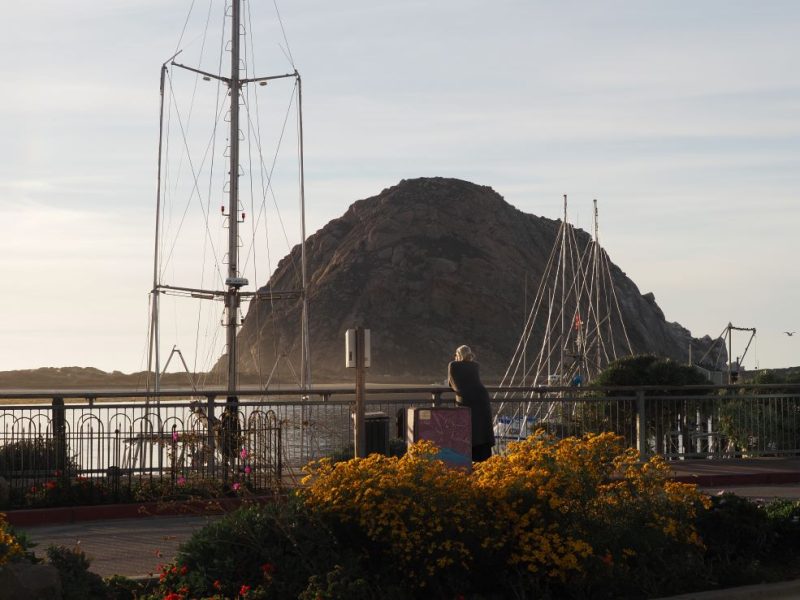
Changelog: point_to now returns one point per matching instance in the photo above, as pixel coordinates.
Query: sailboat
(572, 331)
(189, 176)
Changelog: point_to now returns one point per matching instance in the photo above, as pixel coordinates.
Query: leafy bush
(31, 455)
(11, 547)
(551, 517)
(77, 582)
(784, 517)
(737, 535)
(394, 507)
(123, 588)
(585, 518)
(273, 550)
(569, 518)
(648, 370)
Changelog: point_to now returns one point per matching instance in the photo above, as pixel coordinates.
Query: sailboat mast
(597, 286)
(305, 358)
(232, 299)
(153, 355)
(563, 338)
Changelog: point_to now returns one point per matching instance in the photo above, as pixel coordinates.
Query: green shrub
(33, 455)
(738, 537)
(77, 582)
(784, 517)
(273, 549)
(123, 588)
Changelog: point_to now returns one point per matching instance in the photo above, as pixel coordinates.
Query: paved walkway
(131, 547)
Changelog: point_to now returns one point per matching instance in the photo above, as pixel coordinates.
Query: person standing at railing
(463, 376)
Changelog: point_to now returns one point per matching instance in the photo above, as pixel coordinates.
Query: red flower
(244, 590)
(51, 485)
(268, 569)
(217, 585)
(184, 570)
(173, 596)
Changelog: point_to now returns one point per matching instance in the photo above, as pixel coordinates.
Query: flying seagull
(789, 333)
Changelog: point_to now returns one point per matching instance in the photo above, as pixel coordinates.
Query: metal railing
(124, 445)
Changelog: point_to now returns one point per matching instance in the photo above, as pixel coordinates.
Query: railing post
(211, 440)
(60, 436)
(641, 425)
(436, 398)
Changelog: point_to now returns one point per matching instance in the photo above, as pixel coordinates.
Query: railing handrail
(327, 392)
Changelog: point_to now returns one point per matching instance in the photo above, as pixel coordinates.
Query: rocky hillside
(426, 265)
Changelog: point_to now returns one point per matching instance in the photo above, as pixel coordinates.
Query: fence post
(436, 398)
(210, 437)
(60, 436)
(641, 425)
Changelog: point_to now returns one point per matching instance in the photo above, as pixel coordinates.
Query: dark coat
(465, 380)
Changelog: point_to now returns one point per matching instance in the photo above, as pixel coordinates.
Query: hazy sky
(681, 118)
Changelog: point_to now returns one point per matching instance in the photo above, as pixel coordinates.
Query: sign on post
(350, 348)
(356, 342)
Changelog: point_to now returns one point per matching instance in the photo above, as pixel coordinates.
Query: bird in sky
(789, 333)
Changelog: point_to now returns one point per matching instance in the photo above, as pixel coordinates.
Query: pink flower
(236, 486)
(174, 435)
(181, 480)
(247, 470)
(243, 453)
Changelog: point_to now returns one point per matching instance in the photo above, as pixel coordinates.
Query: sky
(682, 119)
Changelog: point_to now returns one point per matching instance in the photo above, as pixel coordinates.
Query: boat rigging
(238, 106)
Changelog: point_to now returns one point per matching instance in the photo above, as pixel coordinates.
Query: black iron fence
(124, 445)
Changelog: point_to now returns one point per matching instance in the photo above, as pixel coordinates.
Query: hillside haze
(426, 265)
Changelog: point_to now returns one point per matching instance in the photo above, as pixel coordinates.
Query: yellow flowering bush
(414, 509)
(10, 548)
(551, 516)
(579, 507)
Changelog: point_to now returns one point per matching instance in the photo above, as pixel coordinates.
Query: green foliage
(340, 583)
(84, 491)
(77, 582)
(274, 549)
(784, 516)
(738, 536)
(397, 447)
(648, 370)
(123, 588)
(31, 455)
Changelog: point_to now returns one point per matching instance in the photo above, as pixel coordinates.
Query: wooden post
(360, 434)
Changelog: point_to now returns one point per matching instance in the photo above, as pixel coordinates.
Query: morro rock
(426, 265)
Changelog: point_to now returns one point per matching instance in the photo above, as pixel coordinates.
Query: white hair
(464, 353)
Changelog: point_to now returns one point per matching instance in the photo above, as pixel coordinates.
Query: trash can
(377, 434)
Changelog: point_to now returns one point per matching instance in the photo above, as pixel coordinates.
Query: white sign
(350, 348)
